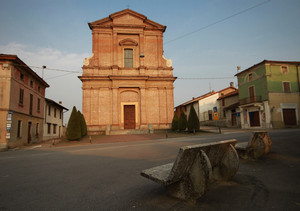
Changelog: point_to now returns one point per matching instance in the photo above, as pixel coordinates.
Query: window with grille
(21, 96)
(39, 105)
(128, 57)
(49, 128)
(30, 104)
(54, 128)
(19, 132)
(250, 77)
(37, 128)
(284, 69)
(286, 86)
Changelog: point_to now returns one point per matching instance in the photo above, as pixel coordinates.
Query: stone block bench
(259, 143)
(195, 167)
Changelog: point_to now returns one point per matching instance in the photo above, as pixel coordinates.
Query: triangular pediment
(126, 17)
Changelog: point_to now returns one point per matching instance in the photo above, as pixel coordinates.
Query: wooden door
(254, 119)
(129, 116)
(289, 117)
(233, 119)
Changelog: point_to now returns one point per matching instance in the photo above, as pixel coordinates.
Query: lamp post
(44, 67)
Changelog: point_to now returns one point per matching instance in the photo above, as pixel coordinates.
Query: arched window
(128, 57)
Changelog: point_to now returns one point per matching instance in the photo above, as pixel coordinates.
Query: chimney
(59, 102)
(231, 84)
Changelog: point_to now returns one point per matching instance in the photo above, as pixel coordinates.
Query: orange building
(22, 98)
(127, 83)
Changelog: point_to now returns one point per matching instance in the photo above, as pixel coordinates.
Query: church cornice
(127, 77)
(108, 22)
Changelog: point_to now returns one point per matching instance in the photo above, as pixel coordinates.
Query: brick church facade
(127, 83)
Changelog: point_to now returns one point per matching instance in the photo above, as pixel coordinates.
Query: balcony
(248, 100)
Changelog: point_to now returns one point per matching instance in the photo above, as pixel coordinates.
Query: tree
(182, 123)
(74, 129)
(82, 125)
(193, 120)
(175, 122)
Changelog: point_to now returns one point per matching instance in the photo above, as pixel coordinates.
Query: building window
(224, 114)
(19, 134)
(251, 94)
(54, 112)
(49, 110)
(22, 76)
(38, 105)
(39, 88)
(286, 86)
(49, 128)
(250, 76)
(37, 129)
(30, 104)
(209, 114)
(128, 58)
(223, 102)
(284, 69)
(54, 128)
(31, 84)
(21, 96)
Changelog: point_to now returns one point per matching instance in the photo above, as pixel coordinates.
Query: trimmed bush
(74, 129)
(82, 125)
(193, 121)
(182, 123)
(175, 122)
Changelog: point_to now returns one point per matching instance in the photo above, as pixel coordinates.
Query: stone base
(3, 147)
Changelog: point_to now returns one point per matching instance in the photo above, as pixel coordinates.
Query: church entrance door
(129, 116)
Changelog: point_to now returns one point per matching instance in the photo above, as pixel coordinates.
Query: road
(107, 177)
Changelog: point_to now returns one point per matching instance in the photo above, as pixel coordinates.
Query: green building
(269, 95)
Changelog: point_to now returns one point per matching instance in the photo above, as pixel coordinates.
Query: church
(127, 83)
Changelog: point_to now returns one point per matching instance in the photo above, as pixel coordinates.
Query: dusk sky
(205, 39)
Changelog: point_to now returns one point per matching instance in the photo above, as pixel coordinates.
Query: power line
(60, 70)
(58, 76)
(213, 78)
(216, 22)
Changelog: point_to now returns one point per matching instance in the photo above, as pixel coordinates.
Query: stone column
(115, 109)
(143, 106)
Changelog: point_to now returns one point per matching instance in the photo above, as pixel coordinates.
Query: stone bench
(195, 167)
(260, 143)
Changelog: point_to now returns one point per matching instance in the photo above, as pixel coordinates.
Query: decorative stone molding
(128, 42)
(86, 61)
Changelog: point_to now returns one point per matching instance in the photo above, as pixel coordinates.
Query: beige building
(229, 109)
(54, 117)
(22, 98)
(127, 83)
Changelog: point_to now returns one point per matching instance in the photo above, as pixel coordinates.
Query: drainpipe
(297, 70)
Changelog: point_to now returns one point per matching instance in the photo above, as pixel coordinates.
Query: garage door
(289, 117)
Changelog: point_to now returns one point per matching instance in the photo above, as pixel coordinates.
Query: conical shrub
(73, 128)
(182, 123)
(175, 122)
(83, 126)
(193, 120)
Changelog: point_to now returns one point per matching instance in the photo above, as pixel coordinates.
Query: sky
(205, 39)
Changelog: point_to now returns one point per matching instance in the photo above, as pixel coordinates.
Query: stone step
(122, 132)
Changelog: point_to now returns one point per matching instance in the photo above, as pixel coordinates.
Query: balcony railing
(248, 100)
